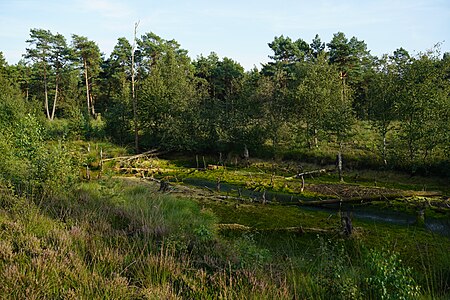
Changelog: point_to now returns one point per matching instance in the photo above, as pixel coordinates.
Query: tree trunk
(46, 93)
(54, 100)
(316, 142)
(347, 226)
(135, 122)
(339, 164)
(92, 105)
(87, 86)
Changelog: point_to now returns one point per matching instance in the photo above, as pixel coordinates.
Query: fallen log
(302, 230)
(423, 193)
(366, 199)
(319, 171)
(131, 157)
(349, 200)
(152, 179)
(225, 197)
(137, 170)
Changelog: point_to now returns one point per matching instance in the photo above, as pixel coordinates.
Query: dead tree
(347, 227)
(164, 186)
(246, 155)
(133, 92)
(339, 165)
(218, 184)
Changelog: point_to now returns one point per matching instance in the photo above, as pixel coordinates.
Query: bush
(336, 275)
(58, 129)
(388, 279)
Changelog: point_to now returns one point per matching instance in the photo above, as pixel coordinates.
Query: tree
(423, 107)
(150, 49)
(317, 46)
(288, 51)
(21, 74)
(167, 96)
(3, 65)
(39, 52)
(383, 94)
(353, 61)
(60, 57)
(289, 57)
(271, 96)
(117, 83)
(133, 92)
(317, 96)
(220, 110)
(90, 57)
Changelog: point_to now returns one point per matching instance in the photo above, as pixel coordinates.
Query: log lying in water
(381, 197)
(147, 170)
(243, 228)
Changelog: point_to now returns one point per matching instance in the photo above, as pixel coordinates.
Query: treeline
(149, 93)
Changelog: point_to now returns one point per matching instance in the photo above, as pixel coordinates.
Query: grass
(119, 238)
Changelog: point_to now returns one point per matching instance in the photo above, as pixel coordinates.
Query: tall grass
(121, 239)
(117, 240)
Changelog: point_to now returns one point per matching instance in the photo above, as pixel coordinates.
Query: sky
(237, 29)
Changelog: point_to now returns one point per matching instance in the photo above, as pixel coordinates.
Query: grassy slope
(116, 239)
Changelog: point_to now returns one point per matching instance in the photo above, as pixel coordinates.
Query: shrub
(388, 279)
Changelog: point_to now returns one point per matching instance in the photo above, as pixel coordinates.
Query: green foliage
(252, 255)
(30, 165)
(423, 106)
(388, 278)
(167, 102)
(336, 272)
(321, 103)
(309, 95)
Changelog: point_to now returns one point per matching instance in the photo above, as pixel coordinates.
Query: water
(245, 193)
(358, 212)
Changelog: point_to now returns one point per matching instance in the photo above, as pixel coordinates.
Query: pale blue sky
(239, 29)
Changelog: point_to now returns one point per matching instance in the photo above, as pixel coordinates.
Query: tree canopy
(310, 94)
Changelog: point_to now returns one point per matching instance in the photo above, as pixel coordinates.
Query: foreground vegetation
(120, 238)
